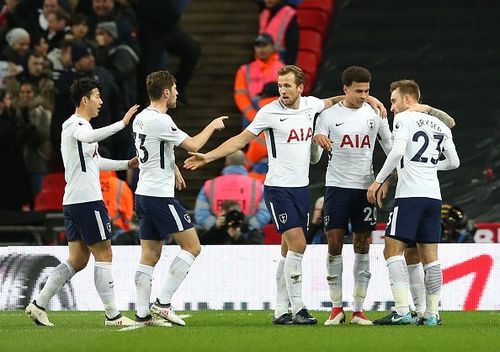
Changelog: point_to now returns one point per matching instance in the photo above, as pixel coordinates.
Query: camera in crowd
(455, 225)
(234, 216)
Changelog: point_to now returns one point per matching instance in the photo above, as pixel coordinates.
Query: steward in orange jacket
(252, 77)
(118, 198)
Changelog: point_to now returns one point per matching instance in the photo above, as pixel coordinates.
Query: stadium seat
(311, 41)
(49, 200)
(54, 181)
(313, 20)
(271, 236)
(308, 62)
(326, 6)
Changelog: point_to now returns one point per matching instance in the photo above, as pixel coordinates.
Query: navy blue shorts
(88, 222)
(347, 204)
(289, 207)
(160, 216)
(415, 220)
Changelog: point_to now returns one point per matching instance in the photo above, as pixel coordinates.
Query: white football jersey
(155, 136)
(426, 138)
(81, 160)
(288, 134)
(353, 133)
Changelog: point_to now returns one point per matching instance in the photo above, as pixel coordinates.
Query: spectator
(40, 44)
(8, 70)
(60, 59)
(11, 153)
(160, 31)
(17, 48)
(252, 77)
(58, 27)
(230, 227)
(37, 74)
(118, 198)
(79, 30)
(280, 20)
(235, 185)
(9, 16)
(119, 58)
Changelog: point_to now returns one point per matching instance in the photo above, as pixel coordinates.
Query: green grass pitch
(248, 331)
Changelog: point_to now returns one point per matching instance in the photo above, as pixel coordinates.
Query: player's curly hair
(157, 82)
(356, 74)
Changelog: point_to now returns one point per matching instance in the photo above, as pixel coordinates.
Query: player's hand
(371, 194)
(377, 106)
(218, 123)
(180, 184)
(323, 141)
(130, 113)
(133, 163)
(419, 107)
(381, 194)
(196, 161)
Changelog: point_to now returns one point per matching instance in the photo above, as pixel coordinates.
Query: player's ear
(166, 93)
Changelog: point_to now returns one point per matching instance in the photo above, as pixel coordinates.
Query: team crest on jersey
(283, 218)
(326, 220)
(174, 129)
(187, 217)
(371, 124)
(397, 125)
(108, 227)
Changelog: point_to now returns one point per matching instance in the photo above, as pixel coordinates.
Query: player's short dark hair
(82, 87)
(356, 74)
(157, 82)
(406, 86)
(297, 72)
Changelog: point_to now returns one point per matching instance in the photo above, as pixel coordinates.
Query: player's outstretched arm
(441, 115)
(116, 165)
(233, 144)
(86, 134)
(316, 152)
(329, 102)
(193, 144)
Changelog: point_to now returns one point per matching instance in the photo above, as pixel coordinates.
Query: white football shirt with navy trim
(79, 150)
(426, 136)
(353, 133)
(155, 135)
(288, 134)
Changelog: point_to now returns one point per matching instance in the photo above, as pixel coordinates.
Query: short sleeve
(260, 123)
(316, 104)
(321, 124)
(401, 128)
(167, 130)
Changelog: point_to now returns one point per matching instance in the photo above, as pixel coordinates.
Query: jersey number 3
(418, 156)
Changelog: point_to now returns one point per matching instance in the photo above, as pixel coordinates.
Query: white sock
(57, 279)
(334, 278)
(103, 279)
(398, 277)
(282, 300)
(362, 276)
(417, 287)
(143, 280)
(176, 274)
(433, 282)
(293, 277)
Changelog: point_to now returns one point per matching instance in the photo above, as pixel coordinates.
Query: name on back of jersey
(429, 122)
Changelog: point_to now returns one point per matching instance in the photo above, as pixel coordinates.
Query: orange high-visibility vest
(250, 80)
(240, 188)
(277, 26)
(118, 198)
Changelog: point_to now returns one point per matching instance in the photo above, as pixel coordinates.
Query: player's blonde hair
(406, 86)
(297, 72)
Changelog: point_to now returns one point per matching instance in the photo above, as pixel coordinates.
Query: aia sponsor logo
(300, 135)
(356, 141)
